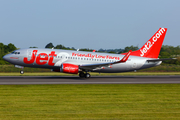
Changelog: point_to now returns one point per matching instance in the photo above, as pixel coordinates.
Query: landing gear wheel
(84, 75)
(22, 72)
(87, 75)
(81, 74)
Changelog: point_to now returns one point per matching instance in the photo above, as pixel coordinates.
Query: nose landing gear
(21, 67)
(22, 72)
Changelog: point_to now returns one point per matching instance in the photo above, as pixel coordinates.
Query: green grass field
(89, 102)
(92, 74)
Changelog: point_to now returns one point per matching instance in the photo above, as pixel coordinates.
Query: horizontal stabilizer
(154, 60)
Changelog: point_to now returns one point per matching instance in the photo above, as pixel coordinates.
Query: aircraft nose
(5, 57)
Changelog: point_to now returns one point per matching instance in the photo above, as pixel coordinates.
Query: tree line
(5, 49)
(166, 51)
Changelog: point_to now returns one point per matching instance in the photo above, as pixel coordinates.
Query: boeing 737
(74, 62)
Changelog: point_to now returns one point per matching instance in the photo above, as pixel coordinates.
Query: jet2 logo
(151, 42)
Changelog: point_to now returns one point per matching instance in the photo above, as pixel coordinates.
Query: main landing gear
(84, 75)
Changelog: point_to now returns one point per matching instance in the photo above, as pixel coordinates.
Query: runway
(26, 80)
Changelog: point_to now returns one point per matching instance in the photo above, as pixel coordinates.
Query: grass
(89, 102)
(92, 74)
(11, 68)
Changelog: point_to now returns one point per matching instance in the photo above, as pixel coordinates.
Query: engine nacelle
(69, 68)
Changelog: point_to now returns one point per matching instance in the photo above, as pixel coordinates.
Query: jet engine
(69, 68)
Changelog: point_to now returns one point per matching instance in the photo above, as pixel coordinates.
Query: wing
(102, 65)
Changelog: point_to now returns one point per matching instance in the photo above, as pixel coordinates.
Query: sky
(94, 24)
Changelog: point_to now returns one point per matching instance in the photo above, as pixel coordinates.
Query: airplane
(74, 62)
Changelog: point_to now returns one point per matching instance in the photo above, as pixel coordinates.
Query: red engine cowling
(69, 68)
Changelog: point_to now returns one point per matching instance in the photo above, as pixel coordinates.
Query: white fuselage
(53, 59)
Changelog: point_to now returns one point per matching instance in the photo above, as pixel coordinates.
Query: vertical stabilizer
(152, 47)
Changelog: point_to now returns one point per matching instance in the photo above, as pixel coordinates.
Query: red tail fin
(152, 47)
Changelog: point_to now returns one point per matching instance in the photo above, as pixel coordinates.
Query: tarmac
(28, 80)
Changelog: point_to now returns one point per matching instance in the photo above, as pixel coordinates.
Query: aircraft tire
(87, 75)
(22, 72)
(81, 75)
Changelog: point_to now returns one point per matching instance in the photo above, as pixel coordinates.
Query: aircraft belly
(150, 64)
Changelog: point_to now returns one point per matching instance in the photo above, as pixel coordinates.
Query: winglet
(125, 58)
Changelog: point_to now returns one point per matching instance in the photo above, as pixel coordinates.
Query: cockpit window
(15, 53)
